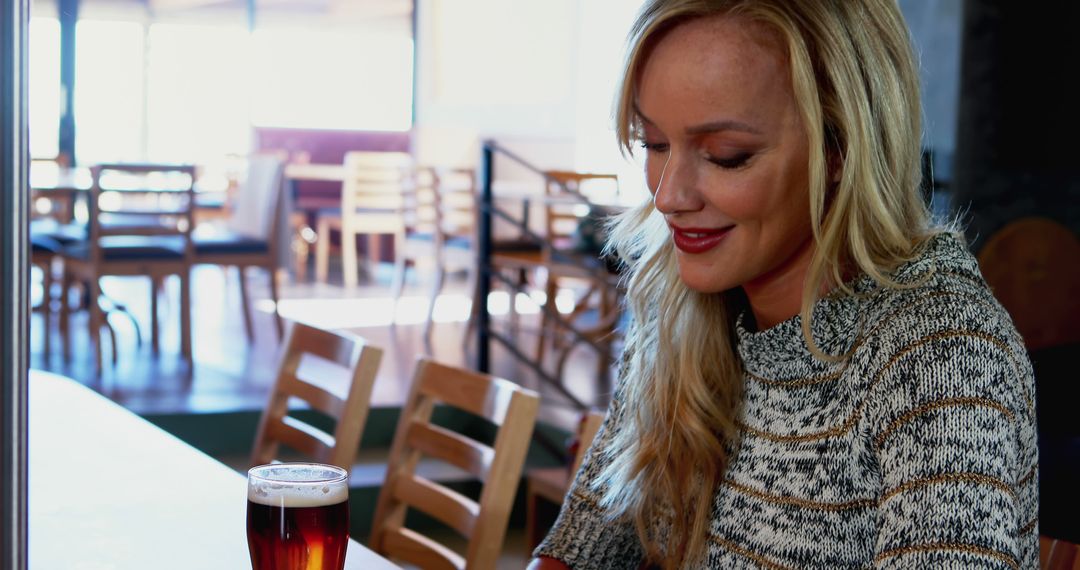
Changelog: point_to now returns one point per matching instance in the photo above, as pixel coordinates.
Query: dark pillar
(1017, 135)
(1018, 140)
(69, 16)
(14, 282)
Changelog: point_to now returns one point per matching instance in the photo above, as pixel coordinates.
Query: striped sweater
(917, 451)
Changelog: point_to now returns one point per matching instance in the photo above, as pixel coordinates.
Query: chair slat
(359, 362)
(456, 510)
(451, 447)
(332, 346)
(1055, 554)
(414, 548)
(317, 397)
(474, 392)
(485, 526)
(302, 437)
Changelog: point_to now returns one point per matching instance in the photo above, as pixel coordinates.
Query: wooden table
(64, 187)
(109, 490)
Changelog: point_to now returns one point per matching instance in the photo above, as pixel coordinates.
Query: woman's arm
(545, 563)
(954, 440)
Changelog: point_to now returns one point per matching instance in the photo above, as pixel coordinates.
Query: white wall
(936, 27)
(541, 77)
(492, 68)
(537, 76)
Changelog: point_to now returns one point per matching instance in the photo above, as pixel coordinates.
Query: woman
(816, 376)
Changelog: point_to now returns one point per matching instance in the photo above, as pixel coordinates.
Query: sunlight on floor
(382, 311)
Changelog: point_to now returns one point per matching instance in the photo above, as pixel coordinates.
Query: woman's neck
(777, 296)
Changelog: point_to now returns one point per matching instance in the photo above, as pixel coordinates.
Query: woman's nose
(673, 192)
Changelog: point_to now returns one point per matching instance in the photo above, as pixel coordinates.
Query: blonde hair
(856, 85)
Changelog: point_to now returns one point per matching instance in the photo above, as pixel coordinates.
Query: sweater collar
(781, 349)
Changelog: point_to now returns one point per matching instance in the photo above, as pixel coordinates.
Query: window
(109, 91)
(332, 80)
(44, 87)
(197, 96)
(189, 87)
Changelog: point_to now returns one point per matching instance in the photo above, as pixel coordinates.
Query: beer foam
(291, 488)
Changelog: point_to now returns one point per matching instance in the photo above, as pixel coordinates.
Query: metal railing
(594, 268)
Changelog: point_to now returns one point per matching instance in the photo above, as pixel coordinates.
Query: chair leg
(548, 328)
(155, 292)
(471, 284)
(185, 315)
(397, 285)
(65, 315)
(245, 304)
(349, 270)
(436, 288)
(46, 306)
(273, 272)
(322, 250)
(112, 338)
(299, 243)
(96, 319)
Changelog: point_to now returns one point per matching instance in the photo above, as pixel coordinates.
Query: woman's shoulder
(939, 292)
(939, 327)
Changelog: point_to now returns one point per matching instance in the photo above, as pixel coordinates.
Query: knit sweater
(916, 451)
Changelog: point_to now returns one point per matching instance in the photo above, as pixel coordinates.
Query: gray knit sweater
(918, 451)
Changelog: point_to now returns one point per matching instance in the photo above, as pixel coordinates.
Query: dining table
(62, 188)
(110, 490)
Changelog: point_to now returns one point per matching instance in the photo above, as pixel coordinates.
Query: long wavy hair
(857, 88)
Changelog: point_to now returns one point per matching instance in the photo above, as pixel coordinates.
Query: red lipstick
(698, 240)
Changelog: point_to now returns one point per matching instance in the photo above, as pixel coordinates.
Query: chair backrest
(141, 200)
(561, 220)
(590, 424)
(503, 403)
(1033, 267)
(1057, 554)
(256, 205)
(355, 362)
(456, 189)
(420, 202)
(372, 198)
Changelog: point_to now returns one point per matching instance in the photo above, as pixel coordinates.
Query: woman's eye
(654, 146)
(730, 162)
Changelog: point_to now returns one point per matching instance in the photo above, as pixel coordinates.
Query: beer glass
(297, 516)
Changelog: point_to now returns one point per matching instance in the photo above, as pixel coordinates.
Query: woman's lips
(698, 240)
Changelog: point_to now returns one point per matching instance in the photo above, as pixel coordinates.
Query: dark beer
(300, 523)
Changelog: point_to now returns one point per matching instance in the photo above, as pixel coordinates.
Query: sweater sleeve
(952, 430)
(584, 536)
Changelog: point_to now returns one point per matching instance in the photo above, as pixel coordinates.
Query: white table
(109, 490)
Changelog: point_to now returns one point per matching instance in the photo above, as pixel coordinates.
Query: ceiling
(370, 8)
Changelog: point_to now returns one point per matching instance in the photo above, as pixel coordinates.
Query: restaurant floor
(229, 373)
(214, 403)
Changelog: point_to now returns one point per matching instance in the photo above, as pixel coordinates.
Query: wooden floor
(232, 374)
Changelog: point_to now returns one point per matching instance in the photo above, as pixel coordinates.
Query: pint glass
(297, 516)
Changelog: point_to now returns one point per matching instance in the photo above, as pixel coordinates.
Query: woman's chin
(704, 283)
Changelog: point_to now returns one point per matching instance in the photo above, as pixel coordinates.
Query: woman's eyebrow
(707, 128)
(718, 126)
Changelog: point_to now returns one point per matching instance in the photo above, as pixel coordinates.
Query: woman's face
(727, 155)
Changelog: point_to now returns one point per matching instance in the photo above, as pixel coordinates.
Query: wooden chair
(552, 483)
(1033, 267)
(440, 220)
(252, 235)
(371, 204)
(143, 227)
(43, 252)
(1057, 554)
(566, 203)
(498, 467)
(347, 402)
